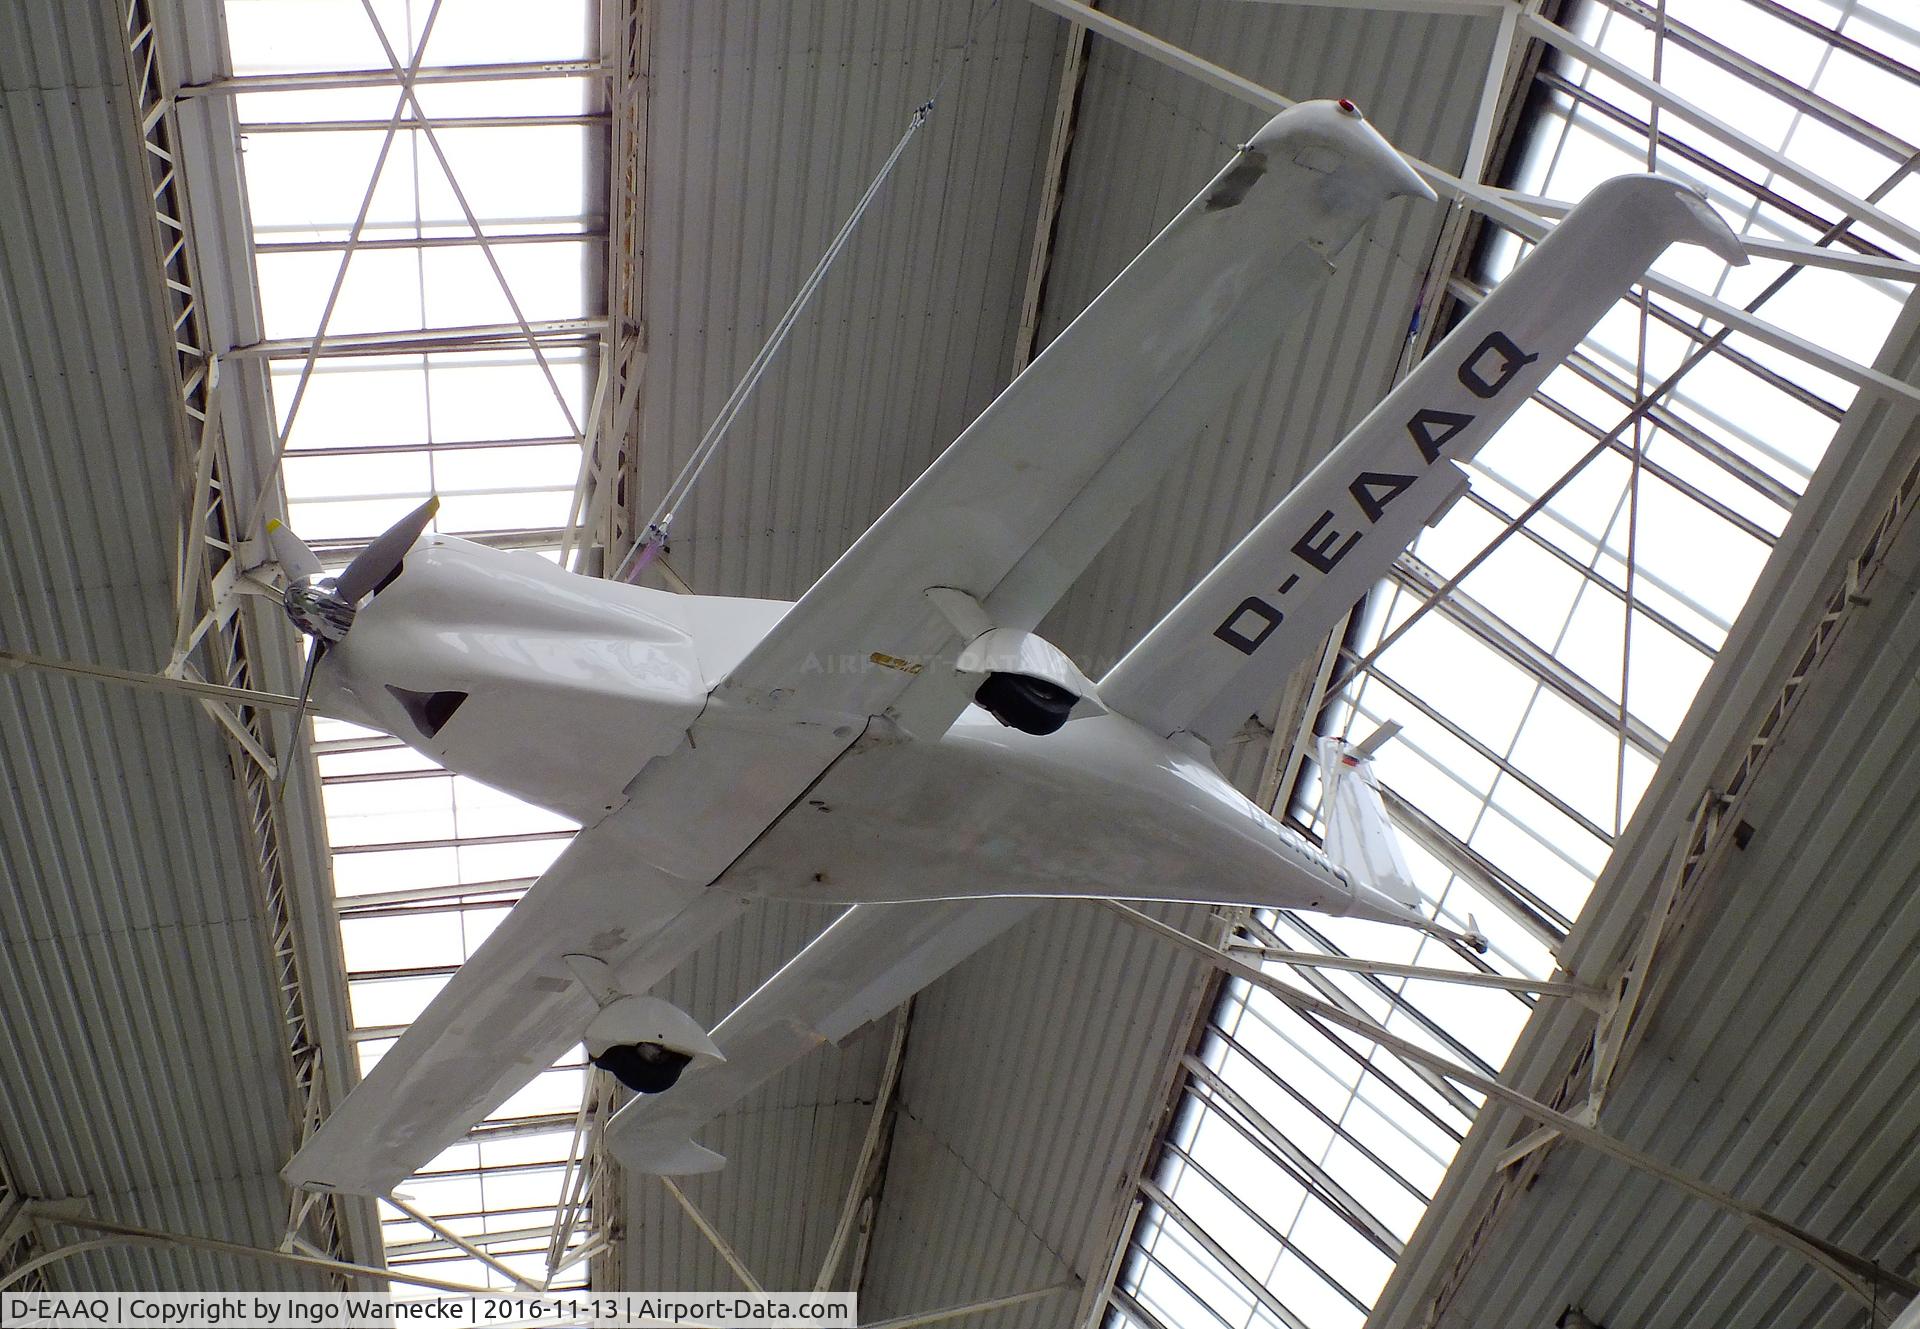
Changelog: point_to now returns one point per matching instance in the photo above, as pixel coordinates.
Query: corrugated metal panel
(1149, 137)
(1781, 1062)
(765, 126)
(1032, 1077)
(140, 1062)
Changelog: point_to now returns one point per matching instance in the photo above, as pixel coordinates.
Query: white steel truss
(1635, 410)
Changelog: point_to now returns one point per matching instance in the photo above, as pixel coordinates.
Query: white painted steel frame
(211, 638)
(317, 351)
(1504, 8)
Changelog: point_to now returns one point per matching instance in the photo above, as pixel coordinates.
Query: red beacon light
(1349, 107)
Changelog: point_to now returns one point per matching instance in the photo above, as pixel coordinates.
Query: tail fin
(1360, 839)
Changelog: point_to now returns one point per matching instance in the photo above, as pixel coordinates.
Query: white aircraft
(900, 739)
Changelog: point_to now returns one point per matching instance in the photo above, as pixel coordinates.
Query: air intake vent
(429, 711)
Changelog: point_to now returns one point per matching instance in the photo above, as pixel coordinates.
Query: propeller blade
(318, 649)
(291, 552)
(377, 561)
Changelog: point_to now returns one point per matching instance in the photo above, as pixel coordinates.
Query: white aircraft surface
(899, 739)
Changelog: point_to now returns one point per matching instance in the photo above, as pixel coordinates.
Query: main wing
(631, 891)
(1228, 646)
(1020, 503)
(870, 960)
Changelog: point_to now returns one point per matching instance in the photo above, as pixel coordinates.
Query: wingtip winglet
(1696, 222)
(1715, 235)
(1345, 124)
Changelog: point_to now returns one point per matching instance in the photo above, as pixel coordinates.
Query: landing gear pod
(1031, 705)
(646, 1043)
(1029, 684)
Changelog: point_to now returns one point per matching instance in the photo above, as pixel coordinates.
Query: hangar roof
(149, 1050)
(743, 133)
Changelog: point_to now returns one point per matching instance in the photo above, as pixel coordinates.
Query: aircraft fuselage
(561, 689)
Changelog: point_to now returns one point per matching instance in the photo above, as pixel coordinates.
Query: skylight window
(444, 366)
(1535, 706)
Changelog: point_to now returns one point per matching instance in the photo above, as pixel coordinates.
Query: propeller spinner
(323, 607)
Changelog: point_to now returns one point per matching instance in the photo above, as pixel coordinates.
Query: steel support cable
(654, 537)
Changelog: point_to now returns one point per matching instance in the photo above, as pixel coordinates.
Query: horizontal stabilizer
(1227, 648)
(670, 1158)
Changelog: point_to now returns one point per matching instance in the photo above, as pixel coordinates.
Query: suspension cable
(654, 537)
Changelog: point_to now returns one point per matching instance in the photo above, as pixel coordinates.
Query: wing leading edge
(633, 891)
(1223, 651)
(1019, 504)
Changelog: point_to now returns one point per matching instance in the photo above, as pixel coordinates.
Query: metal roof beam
(414, 122)
(870, 1146)
(1841, 41)
(328, 80)
(1752, 71)
(453, 842)
(310, 1001)
(1053, 188)
(1755, 477)
(1396, 998)
(1298, 1163)
(1591, 574)
(10, 659)
(1546, 924)
(432, 447)
(1332, 992)
(1509, 642)
(466, 1247)
(1860, 257)
(1849, 204)
(1336, 1126)
(131, 1234)
(1407, 694)
(1859, 1276)
(482, 336)
(1464, 8)
(713, 1236)
(413, 242)
(1259, 1220)
(378, 901)
(1223, 1257)
(1581, 992)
